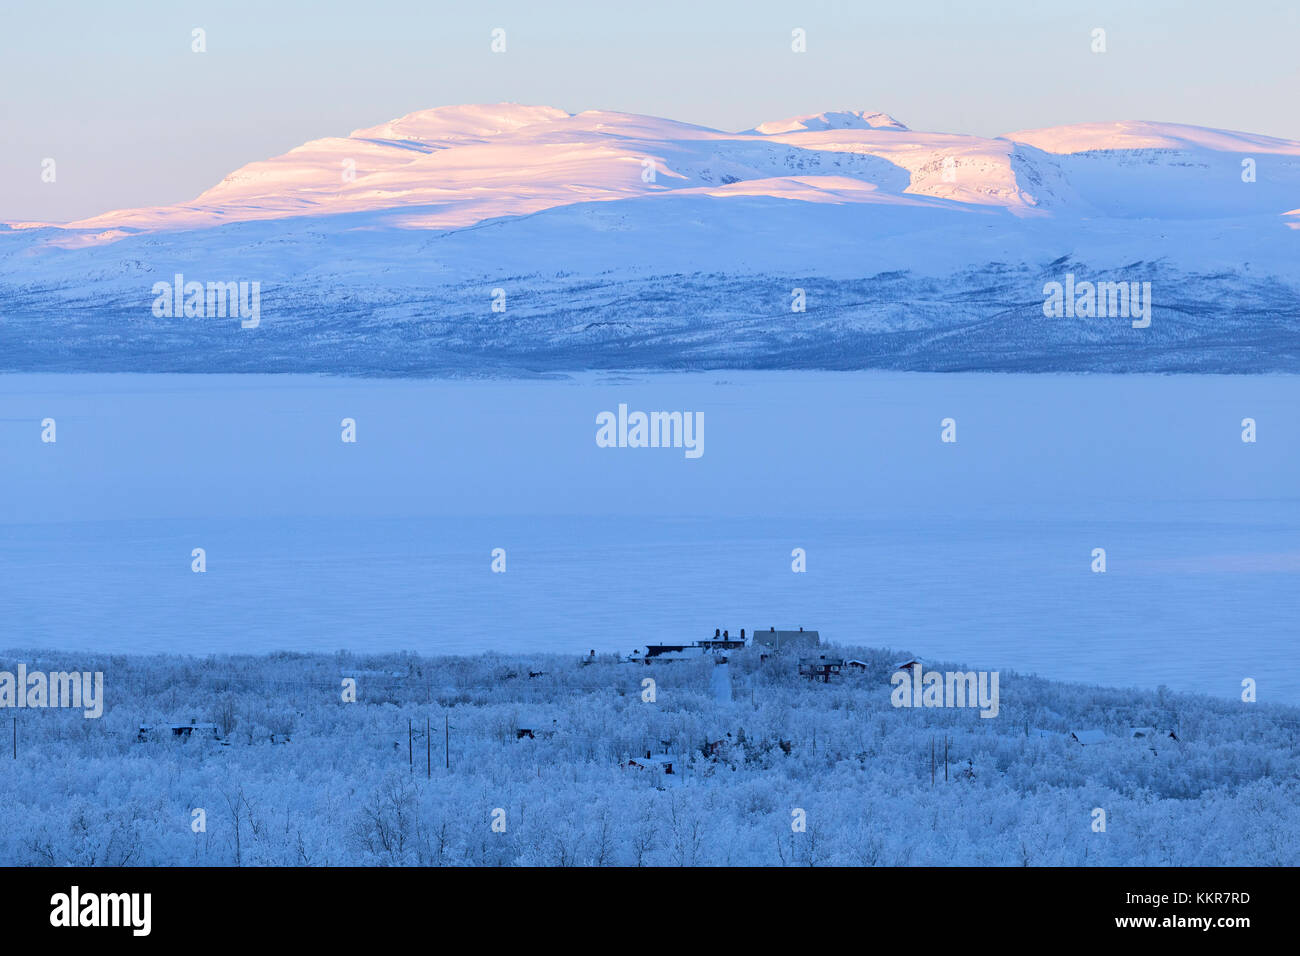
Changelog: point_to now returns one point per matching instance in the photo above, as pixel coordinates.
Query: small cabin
(1088, 738)
(658, 650)
(659, 763)
(717, 747)
(178, 731)
(820, 668)
(662, 653)
(778, 640)
(721, 643)
(531, 726)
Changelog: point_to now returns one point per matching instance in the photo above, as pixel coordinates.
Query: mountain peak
(456, 166)
(468, 123)
(836, 119)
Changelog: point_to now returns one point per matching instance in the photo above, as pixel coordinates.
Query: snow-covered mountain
(618, 239)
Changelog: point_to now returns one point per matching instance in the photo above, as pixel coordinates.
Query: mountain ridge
(615, 239)
(534, 157)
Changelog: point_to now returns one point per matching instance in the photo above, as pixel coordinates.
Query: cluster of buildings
(717, 647)
(721, 643)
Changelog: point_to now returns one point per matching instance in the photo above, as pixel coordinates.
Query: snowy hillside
(435, 749)
(624, 240)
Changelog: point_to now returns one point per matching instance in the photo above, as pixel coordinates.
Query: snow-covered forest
(299, 776)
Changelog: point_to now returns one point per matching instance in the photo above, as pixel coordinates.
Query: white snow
(720, 683)
(455, 166)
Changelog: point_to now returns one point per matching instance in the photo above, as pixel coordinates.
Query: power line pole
(410, 745)
(446, 739)
(428, 751)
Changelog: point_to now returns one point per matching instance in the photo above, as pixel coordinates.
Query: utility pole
(446, 739)
(428, 751)
(15, 738)
(410, 745)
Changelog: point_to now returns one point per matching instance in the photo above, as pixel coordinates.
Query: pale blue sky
(112, 92)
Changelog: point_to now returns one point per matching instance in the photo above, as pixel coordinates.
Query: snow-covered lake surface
(978, 551)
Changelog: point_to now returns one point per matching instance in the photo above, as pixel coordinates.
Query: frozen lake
(978, 551)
